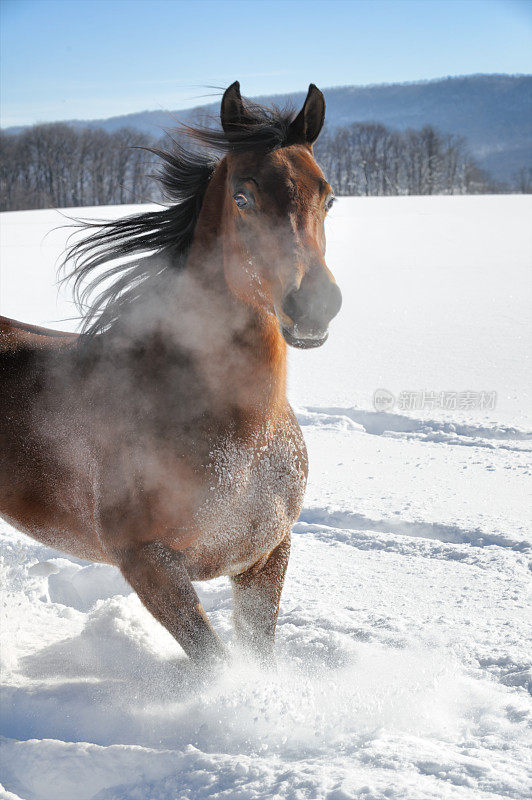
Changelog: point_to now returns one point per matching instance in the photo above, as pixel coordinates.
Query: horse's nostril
(290, 305)
(315, 308)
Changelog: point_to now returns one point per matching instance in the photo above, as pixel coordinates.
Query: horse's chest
(255, 496)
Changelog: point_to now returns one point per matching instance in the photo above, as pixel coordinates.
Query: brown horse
(161, 440)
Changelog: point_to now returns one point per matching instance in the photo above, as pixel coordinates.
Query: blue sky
(66, 59)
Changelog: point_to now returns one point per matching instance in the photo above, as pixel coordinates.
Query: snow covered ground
(404, 631)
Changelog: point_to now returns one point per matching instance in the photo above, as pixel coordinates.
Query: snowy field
(404, 631)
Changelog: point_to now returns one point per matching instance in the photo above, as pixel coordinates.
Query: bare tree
(57, 165)
(523, 180)
(371, 159)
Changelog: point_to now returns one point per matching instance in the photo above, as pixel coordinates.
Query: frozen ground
(404, 631)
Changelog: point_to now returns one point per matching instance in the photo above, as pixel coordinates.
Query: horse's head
(275, 204)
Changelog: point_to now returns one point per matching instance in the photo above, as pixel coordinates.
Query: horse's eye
(330, 202)
(240, 199)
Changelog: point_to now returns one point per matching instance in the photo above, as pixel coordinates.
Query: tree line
(371, 159)
(55, 165)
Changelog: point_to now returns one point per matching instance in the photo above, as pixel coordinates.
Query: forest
(56, 165)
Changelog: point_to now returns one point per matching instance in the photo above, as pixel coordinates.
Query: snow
(403, 638)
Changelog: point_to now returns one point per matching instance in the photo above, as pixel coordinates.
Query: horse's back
(16, 335)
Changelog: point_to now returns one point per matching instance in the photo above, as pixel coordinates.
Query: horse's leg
(157, 574)
(257, 593)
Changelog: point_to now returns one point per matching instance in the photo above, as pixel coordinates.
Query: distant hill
(493, 112)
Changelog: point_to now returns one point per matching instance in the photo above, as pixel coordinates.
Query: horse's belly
(63, 526)
(44, 498)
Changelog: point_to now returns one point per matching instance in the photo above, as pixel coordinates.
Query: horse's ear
(306, 127)
(232, 112)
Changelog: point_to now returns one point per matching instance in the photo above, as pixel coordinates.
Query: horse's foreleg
(157, 574)
(257, 593)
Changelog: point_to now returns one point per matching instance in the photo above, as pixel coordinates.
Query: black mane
(160, 240)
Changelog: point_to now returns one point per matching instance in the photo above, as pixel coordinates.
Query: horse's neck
(238, 343)
(236, 346)
(192, 317)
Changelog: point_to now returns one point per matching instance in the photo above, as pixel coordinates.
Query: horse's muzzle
(307, 312)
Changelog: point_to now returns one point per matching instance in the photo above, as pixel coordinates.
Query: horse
(160, 439)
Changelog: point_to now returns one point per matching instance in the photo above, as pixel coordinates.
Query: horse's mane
(159, 241)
